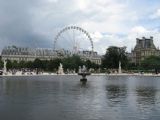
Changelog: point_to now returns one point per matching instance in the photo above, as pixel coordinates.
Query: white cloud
(111, 22)
(94, 15)
(106, 41)
(139, 29)
(82, 4)
(96, 36)
(156, 14)
(52, 1)
(128, 40)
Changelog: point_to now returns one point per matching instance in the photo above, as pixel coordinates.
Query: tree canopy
(69, 63)
(151, 62)
(1, 63)
(113, 56)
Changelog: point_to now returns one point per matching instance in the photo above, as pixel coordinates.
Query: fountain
(83, 72)
(60, 69)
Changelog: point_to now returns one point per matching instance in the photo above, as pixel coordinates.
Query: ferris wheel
(73, 39)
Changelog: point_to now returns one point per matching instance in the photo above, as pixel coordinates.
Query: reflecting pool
(65, 98)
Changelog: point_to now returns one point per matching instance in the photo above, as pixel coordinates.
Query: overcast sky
(34, 23)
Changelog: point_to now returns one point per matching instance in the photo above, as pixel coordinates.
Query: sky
(35, 23)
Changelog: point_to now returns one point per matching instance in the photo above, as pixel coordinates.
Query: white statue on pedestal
(119, 69)
(84, 68)
(4, 67)
(60, 69)
(80, 69)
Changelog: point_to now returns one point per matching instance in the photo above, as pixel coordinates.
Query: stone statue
(4, 67)
(84, 68)
(119, 69)
(60, 66)
(60, 69)
(80, 69)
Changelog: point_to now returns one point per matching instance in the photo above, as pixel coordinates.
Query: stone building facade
(14, 53)
(144, 48)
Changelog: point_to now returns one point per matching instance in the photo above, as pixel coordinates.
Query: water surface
(65, 98)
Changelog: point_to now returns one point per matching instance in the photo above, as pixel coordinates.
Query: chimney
(143, 38)
(137, 40)
(143, 42)
(151, 37)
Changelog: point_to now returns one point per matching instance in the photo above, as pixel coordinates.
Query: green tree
(53, 65)
(15, 64)
(113, 56)
(72, 62)
(21, 64)
(89, 64)
(151, 62)
(29, 64)
(9, 64)
(37, 63)
(1, 64)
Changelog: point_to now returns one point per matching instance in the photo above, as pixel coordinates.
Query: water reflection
(83, 83)
(146, 100)
(116, 94)
(116, 89)
(146, 95)
(65, 97)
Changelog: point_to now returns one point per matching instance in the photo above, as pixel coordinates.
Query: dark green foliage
(151, 62)
(69, 63)
(29, 64)
(37, 63)
(90, 64)
(113, 56)
(9, 64)
(15, 65)
(52, 65)
(132, 66)
(1, 63)
(72, 62)
(21, 64)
